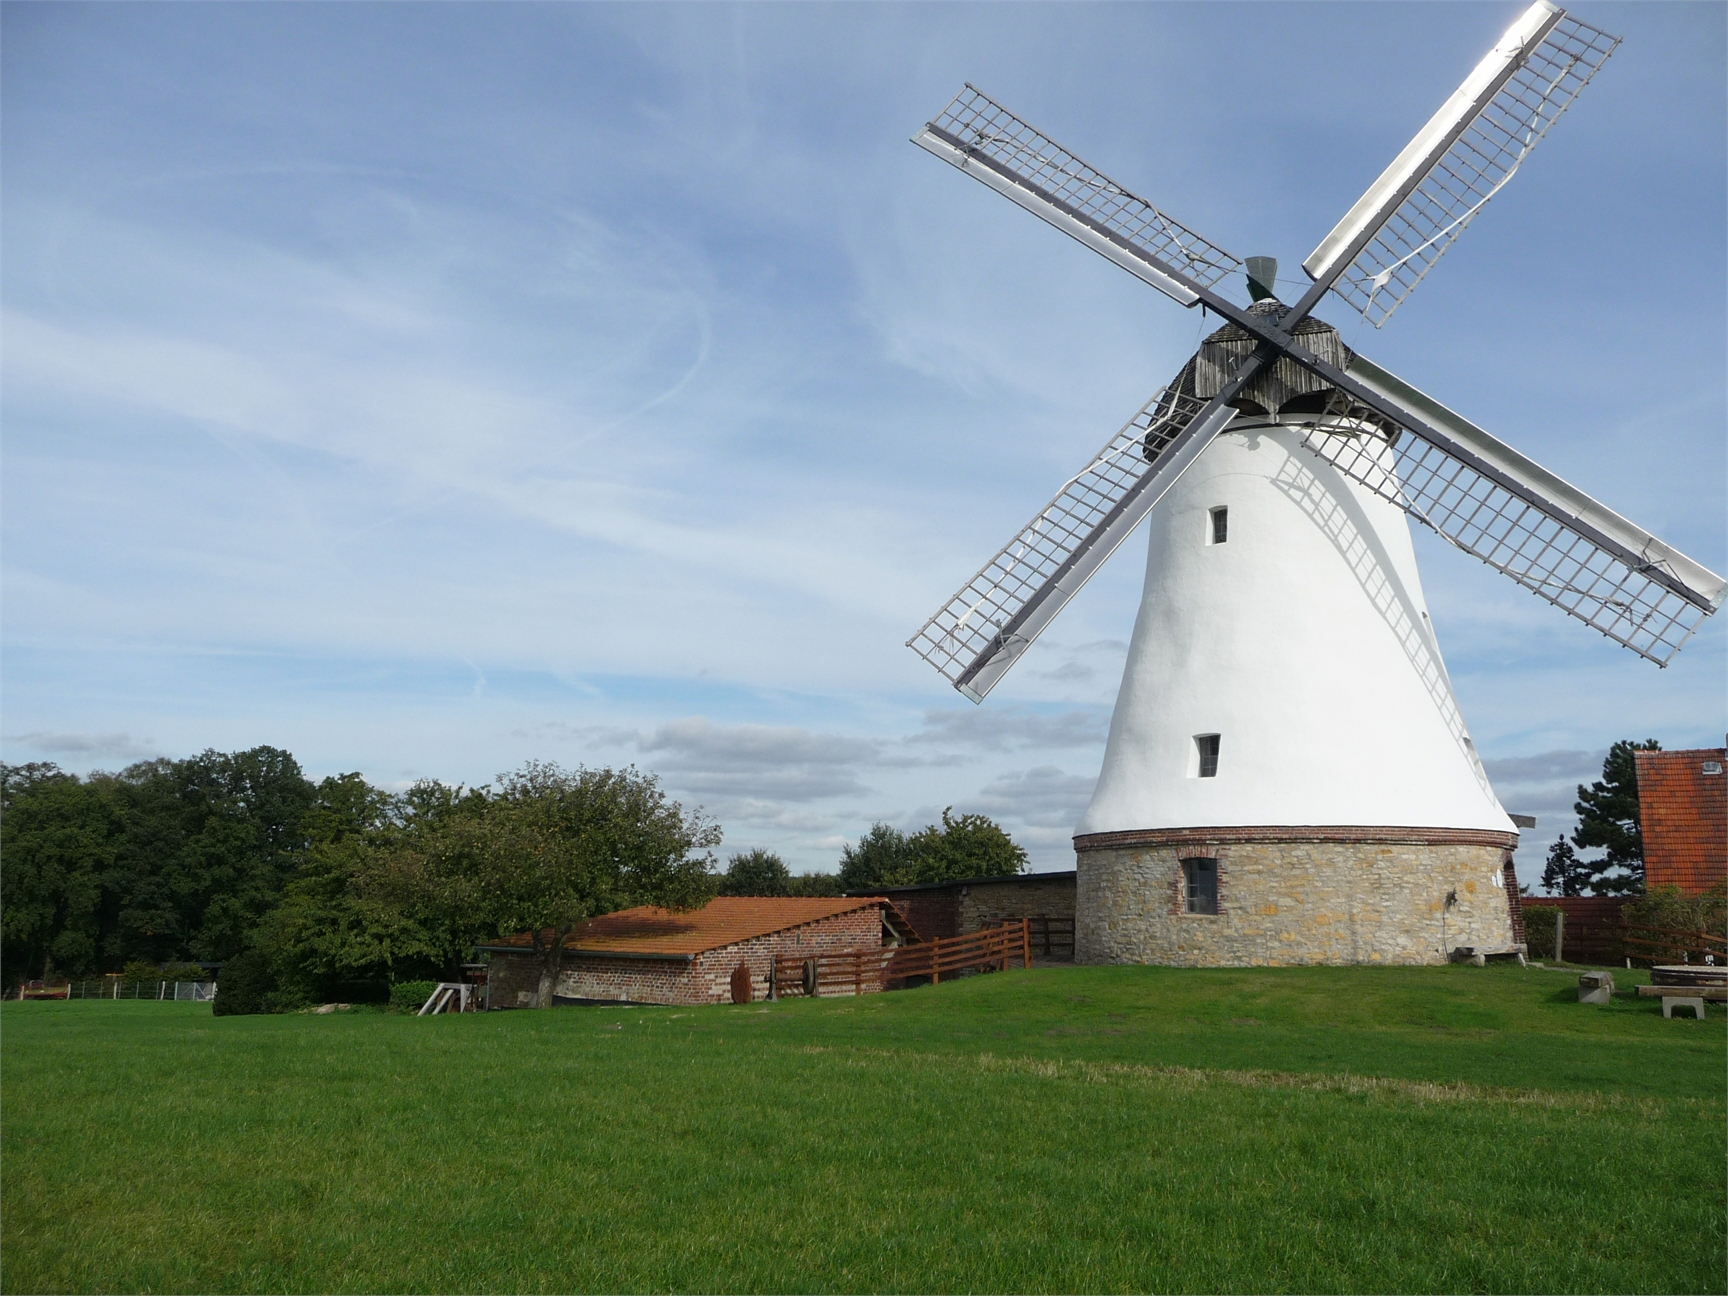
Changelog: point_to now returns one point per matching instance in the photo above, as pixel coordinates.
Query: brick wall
(1514, 901)
(1293, 901)
(934, 914)
(705, 979)
(984, 904)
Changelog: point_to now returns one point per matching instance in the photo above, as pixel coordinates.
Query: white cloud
(90, 746)
(656, 376)
(1044, 797)
(1009, 728)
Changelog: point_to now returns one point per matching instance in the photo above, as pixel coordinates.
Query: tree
(552, 848)
(336, 922)
(756, 873)
(1608, 818)
(58, 836)
(970, 846)
(882, 858)
(1564, 871)
(815, 884)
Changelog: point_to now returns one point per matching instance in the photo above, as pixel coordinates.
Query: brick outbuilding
(1683, 814)
(655, 956)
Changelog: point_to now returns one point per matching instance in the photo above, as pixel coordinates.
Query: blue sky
(425, 389)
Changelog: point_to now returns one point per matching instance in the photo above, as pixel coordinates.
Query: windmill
(1288, 777)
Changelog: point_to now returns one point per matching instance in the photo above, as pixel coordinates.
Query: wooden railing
(987, 950)
(1664, 944)
(867, 971)
(1614, 942)
(1052, 937)
(849, 972)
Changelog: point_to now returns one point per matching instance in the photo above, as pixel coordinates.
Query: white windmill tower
(1288, 777)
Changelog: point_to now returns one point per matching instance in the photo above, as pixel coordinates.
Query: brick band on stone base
(1295, 895)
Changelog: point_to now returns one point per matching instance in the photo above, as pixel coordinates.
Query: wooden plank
(1715, 994)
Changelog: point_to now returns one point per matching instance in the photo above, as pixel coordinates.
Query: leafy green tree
(1564, 871)
(335, 923)
(756, 873)
(970, 846)
(553, 848)
(882, 858)
(58, 836)
(166, 860)
(1608, 819)
(245, 985)
(815, 885)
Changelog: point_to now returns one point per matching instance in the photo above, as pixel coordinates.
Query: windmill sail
(995, 616)
(1522, 520)
(1468, 150)
(993, 145)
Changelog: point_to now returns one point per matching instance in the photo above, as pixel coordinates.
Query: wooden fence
(1665, 945)
(1612, 943)
(867, 971)
(982, 951)
(1052, 937)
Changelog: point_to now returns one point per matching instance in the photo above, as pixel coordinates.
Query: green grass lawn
(1087, 1129)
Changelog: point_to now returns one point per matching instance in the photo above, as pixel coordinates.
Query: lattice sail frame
(975, 123)
(969, 629)
(1513, 536)
(1473, 169)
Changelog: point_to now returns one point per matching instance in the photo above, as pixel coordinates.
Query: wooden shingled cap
(649, 930)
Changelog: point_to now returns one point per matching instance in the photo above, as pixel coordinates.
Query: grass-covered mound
(1094, 1129)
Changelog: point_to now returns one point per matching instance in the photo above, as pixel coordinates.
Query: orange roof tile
(648, 930)
(1683, 812)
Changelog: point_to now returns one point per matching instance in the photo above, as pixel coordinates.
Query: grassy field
(1088, 1129)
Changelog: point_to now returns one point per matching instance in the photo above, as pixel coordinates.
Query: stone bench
(1479, 956)
(1684, 996)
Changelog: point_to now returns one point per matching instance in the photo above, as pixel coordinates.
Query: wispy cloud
(90, 746)
(1044, 796)
(1009, 728)
(655, 381)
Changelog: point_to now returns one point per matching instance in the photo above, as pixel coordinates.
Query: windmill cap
(1262, 275)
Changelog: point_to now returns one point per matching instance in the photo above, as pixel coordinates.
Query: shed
(657, 956)
(966, 905)
(1683, 816)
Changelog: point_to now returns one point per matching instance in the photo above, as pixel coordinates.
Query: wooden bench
(1684, 996)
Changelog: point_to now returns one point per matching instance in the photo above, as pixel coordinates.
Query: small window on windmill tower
(1220, 531)
(1200, 886)
(1206, 748)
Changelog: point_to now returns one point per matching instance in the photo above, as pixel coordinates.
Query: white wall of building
(1303, 641)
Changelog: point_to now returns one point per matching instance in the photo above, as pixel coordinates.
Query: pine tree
(1608, 818)
(1564, 871)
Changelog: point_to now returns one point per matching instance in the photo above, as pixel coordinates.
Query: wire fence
(162, 991)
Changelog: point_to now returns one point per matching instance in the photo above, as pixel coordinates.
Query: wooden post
(1559, 935)
(1026, 942)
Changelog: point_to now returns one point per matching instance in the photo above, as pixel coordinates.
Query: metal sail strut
(1465, 154)
(993, 618)
(1452, 476)
(1524, 521)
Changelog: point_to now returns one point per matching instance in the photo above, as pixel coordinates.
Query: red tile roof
(1683, 811)
(648, 930)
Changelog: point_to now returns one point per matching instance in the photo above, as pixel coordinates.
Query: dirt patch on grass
(1195, 1077)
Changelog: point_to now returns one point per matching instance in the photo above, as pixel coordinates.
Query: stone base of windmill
(1286, 896)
